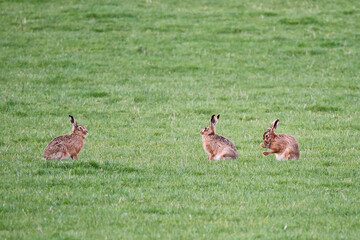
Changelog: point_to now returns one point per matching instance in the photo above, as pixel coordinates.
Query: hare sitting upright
(217, 146)
(68, 145)
(283, 145)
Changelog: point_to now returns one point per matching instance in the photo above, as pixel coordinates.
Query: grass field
(145, 78)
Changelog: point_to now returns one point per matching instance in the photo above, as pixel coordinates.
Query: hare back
(66, 143)
(217, 143)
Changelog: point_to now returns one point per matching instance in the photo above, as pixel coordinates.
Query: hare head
(270, 134)
(210, 130)
(78, 129)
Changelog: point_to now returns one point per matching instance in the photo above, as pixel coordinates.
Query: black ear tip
(72, 120)
(212, 119)
(275, 124)
(218, 116)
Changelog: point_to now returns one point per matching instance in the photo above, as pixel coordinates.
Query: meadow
(144, 77)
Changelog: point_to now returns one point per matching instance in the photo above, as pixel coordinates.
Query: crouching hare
(284, 146)
(216, 146)
(68, 145)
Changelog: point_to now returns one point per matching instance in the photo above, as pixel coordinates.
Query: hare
(216, 146)
(284, 146)
(68, 145)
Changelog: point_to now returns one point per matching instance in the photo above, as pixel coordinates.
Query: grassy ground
(144, 78)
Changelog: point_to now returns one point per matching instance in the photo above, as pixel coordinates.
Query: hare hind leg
(284, 155)
(226, 156)
(64, 156)
(230, 156)
(280, 156)
(59, 156)
(289, 155)
(294, 156)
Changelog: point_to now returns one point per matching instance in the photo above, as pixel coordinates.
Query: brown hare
(216, 146)
(284, 146)
(68, 145)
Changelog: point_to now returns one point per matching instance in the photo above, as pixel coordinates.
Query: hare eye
(266, 136)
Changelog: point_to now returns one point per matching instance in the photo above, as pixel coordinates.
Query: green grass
(144, 78)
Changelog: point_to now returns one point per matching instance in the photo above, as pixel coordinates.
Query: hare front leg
(211, 157)
(269, 152)
(74, 156)
(263, 145)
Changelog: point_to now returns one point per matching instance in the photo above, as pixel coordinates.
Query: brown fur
(217, 146)
(284, 146)
(68, 145)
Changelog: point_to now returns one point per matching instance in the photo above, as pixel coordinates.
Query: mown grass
(144, 78)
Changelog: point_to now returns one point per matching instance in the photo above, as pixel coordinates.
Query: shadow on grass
(322, 108)
(300, 21)
(81, 168)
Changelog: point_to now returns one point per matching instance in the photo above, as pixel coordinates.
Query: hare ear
(72, 120)
(212, 120)
(274, 124)
(217, 119)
